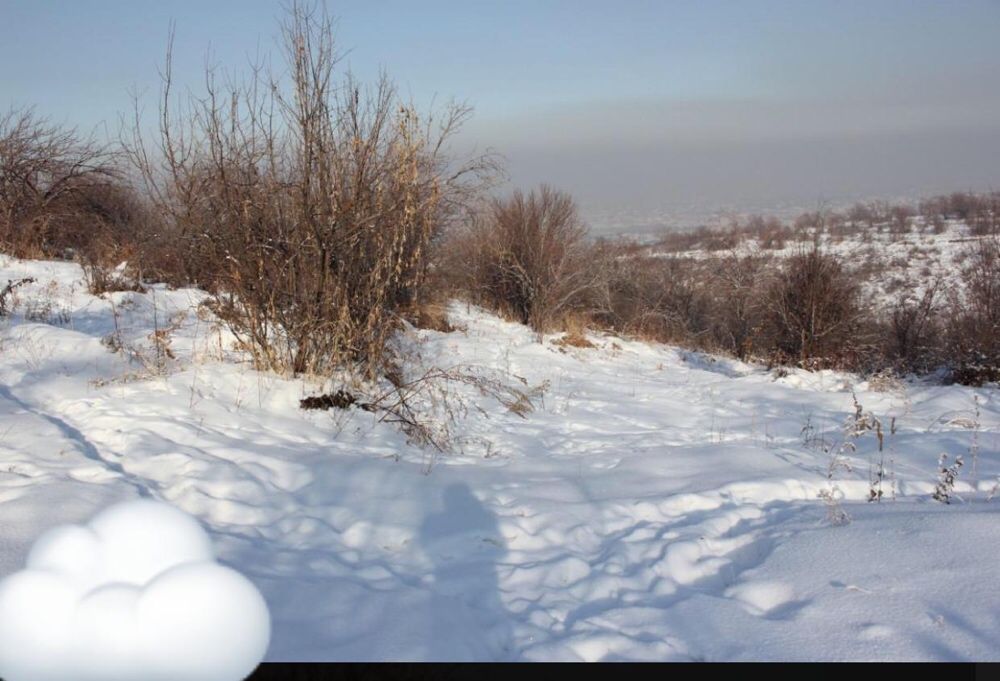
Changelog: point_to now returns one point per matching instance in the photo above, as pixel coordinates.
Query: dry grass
(429, 315)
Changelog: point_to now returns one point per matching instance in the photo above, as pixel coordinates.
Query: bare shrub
(722, 239)
(913, 333)
(101, 277)
(661, 299)
(900, 218)
(980, 212)
(152, 354)
(109, 236)
(974, 324)
(771, 233)
(307, 205)
(813, 307)
(528, 258)
(737, 308)
(809, 226)
(44, 172)
(862, 216)
(675, 241)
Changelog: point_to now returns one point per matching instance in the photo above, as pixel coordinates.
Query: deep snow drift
(655, 505)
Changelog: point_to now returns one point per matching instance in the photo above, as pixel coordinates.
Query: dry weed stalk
(426, 409)
(8, 292)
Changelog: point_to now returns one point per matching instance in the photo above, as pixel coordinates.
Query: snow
(656, 504)
(887, 265)
(136, 593)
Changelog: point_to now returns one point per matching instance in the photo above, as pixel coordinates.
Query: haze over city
(638, 108)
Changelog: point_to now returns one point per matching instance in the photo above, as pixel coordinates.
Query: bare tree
(42, 170)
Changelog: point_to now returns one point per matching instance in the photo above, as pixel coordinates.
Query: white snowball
(136, 594)
(211, 613)
(70, 550)
(36, 617)
(106, 633)
(143, 538)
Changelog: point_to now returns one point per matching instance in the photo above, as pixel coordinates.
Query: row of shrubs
(528, 257)
(319, 213)
(305, 202)
(311, 279)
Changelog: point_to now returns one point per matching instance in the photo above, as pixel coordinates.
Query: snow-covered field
(655, 505)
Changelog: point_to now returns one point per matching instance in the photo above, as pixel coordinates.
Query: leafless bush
(46, 173)
(661, 299)
(102, 277)
(770, 232)
(974, 316)
(675, 241)
(399, 405)
(862, 216)
(737, 309)
(813, 308)
(110, 236)
(307, 205)
(721, 239)
(528, 257)
(981, 212)
(900, 217)
(809, 226)
(913, 333)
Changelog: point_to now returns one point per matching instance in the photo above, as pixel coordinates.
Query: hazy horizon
(648, 111)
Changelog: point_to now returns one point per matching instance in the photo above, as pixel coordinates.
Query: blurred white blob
(134, 595)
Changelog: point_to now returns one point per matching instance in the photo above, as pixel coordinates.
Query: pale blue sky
(612, 100)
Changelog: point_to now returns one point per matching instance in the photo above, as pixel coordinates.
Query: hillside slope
(639, 503)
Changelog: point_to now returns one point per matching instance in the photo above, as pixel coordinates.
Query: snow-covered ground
(655, 504)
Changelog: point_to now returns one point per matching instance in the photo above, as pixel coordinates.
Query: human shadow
(468, 621)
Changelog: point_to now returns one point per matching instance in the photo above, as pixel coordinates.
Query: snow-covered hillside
(649, 504)
(888, 265)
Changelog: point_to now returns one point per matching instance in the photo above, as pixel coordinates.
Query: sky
(647, 108)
